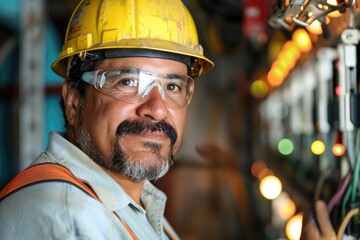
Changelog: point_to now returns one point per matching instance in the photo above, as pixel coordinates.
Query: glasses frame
(97, 78)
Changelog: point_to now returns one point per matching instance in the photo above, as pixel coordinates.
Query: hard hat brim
(60, 66)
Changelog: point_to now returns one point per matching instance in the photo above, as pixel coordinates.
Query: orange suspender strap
(44, 173)
(50, 172)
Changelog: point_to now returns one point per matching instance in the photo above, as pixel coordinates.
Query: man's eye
(128, 82)
(173, 87)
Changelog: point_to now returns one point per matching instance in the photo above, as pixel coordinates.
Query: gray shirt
(59, 210)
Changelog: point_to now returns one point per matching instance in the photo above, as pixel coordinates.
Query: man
(129, 67)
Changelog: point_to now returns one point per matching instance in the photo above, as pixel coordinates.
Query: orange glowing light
(275, 77)
(284, 206)
(257, 167)
(338, 149)
(302, 40)
(288, 58)
(336, 13)
(288, 209)
(291, 48)
(293, 227)
(281, 64)
(264, 172)
(315, 27)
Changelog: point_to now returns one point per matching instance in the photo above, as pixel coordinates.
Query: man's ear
(71, 103)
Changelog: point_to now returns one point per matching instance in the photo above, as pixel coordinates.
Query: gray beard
(120, 162)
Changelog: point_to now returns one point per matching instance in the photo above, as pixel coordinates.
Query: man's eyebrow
(175, 75)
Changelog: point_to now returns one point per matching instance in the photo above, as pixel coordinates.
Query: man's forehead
(158, 65)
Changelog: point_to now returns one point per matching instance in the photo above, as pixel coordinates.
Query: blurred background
(272, 128)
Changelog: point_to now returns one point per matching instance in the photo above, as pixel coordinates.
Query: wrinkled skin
(94, 125)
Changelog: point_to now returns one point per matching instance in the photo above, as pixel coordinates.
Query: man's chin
(149, 158)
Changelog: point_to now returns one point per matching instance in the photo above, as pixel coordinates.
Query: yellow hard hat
(124, 28)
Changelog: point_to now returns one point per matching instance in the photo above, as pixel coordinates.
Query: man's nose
(158, 86)
(153, 104)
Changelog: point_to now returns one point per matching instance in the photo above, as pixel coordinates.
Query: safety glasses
(133, 85)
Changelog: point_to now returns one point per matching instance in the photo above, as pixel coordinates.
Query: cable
(320, 183)
(336, 199)
(346, 221)
(350, 195)
(346, 198)
(355, 180)
(345, 182)
(350, 148)
(325, 168)
(358, 150)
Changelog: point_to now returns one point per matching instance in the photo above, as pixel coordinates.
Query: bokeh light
(265, 172)
(318, 147)
(257, 167)
(285, 146)
(315, 27)
(337, 90)
(338, 149)
(276, 76)
(283, 206)
(292, 49)
(259, 88)
(270, 187)
(302, 40)
(333, 14)
(293, 227)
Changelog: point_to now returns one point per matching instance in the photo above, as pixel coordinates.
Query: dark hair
(78, 67)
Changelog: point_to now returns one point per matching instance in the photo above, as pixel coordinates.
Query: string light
(270, 187)
(333, 14)
(290, 47)
(257, 167)
(318, 147)
(283, 206)
(315, 28)
(275, 76)
(302, 40)
(337, 90)
(338, 149)
(293, 227)
(259, 88)
(285, 146)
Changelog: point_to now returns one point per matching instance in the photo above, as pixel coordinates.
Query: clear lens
(132, 85)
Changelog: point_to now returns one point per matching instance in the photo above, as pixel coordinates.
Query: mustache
(139, 126)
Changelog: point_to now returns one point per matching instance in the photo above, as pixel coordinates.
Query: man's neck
(133, 189)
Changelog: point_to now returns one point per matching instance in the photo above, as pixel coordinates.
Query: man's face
(135, 140)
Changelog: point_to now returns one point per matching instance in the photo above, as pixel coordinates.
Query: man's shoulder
(49, 193)
(53, 209)
(44, 157)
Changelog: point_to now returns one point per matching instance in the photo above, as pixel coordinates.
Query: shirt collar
(107, 190)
